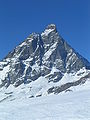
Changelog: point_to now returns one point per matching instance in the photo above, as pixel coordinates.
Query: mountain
(42, 64)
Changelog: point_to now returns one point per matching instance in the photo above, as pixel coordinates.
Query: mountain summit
(46, 63)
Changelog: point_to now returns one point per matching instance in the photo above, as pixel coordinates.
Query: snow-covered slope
(64, 106)
(41, 86)
(42, 64)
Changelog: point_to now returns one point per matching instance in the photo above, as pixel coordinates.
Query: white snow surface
(24, 102)
(46, 32)
(64, 106)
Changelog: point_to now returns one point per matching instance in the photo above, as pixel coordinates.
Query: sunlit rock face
(45, 55)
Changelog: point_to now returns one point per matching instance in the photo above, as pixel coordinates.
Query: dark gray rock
(64, 87)
(36, 57)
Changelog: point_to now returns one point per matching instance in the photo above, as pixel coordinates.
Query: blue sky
(19, 18)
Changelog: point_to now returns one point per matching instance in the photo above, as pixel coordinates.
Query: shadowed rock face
(58, 89)
(36, 57)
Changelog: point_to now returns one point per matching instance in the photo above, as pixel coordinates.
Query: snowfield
(32, 102)
(74, 105)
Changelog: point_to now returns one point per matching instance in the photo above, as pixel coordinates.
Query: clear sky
(19, 18)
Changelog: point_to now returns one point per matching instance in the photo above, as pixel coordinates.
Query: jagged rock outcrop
(46, 54)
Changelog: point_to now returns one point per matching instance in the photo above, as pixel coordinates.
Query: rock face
(46, 54)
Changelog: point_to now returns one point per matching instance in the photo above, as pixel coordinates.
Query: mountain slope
(69, 106)
(45, 63)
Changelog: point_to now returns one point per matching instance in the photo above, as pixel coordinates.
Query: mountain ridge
(44, 57)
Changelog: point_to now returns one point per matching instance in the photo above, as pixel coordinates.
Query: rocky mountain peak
(49, 29)
(45, 56)
(51, 26)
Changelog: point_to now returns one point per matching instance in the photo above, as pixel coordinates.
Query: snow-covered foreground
(65, 106)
